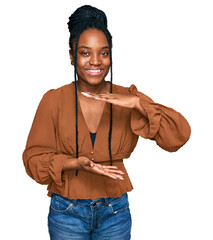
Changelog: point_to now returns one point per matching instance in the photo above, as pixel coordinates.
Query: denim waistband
(92, 202)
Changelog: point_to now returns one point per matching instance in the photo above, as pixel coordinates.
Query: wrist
(71, 163)
(139, 107)
(137, 103)
(75, 164)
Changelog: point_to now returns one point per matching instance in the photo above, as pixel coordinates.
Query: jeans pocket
(60, 204)
(119, 204)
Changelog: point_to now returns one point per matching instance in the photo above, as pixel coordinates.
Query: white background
(164, 48)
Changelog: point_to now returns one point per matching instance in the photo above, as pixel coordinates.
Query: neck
(98, 88)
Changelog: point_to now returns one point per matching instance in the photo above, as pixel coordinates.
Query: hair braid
(76, 96)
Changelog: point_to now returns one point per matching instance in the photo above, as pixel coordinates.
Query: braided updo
(88, 17)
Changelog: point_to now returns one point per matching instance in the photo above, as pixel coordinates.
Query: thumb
(91, 164)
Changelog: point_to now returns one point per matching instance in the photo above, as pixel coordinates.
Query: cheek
(106, 63)
(107, 68)
(82, 62)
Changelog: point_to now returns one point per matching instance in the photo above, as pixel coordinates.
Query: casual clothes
(52, 139)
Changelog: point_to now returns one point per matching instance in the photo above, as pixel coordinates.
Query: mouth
(94, 71)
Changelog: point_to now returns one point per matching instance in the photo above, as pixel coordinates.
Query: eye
(84, 53)
(105, 53)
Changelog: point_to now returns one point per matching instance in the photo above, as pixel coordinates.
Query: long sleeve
(40, 159)
(166, 126)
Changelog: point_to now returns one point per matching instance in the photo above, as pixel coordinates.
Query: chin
(95, 81)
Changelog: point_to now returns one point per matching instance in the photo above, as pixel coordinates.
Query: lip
(94, 72)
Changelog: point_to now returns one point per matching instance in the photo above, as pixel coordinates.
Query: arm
(139, 107)
(41, 161)
(150, 120)
(157, 122)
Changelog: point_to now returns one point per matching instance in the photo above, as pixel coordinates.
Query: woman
(82, 131)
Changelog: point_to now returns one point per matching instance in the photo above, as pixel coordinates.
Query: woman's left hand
(122, 100)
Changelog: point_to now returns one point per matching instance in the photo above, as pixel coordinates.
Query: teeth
(95, 71)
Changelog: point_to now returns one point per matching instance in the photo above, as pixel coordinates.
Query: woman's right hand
(109, 171)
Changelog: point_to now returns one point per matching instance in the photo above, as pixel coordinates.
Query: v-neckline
(102, 115)
(102, 128)
(100, 121)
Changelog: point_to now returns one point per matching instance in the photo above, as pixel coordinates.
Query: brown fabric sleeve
(40, 159)
(166, 126)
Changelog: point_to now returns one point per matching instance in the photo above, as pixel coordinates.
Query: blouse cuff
(146, 127)
(56, 166)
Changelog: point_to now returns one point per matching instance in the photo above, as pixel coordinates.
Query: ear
(71, 56)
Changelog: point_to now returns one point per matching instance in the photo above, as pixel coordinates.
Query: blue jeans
(94, 219)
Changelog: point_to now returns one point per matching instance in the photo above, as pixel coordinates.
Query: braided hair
(88, 17)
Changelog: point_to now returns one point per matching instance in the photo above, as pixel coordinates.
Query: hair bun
(86, 13)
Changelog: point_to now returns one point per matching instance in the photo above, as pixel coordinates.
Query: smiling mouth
(94, 72)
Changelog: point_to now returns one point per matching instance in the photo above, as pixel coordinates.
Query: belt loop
(106, 201)
(74, 202)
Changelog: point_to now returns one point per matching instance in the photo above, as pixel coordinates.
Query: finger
(102, 171)
(105, 95)
(105, 98)
(106, 166)
(116, 176)
(111, 175)
(100, 95)
(87, 94)
(109, 99)
(114, 171)
(111, 170)
(94, 97)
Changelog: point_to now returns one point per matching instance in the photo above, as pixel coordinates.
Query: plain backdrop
(164, 48)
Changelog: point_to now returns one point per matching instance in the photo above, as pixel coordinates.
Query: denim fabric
(94, 219)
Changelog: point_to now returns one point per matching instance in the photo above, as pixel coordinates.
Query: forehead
(93, 38)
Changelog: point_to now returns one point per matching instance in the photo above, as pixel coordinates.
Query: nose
(95, 59)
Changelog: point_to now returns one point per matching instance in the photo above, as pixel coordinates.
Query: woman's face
(93, 57)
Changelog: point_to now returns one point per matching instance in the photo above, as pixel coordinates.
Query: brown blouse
(51, 141)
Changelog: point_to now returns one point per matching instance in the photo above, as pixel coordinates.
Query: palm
(109, 171)
(104, 170)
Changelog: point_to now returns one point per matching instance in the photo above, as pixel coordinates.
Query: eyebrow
(90, 48)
